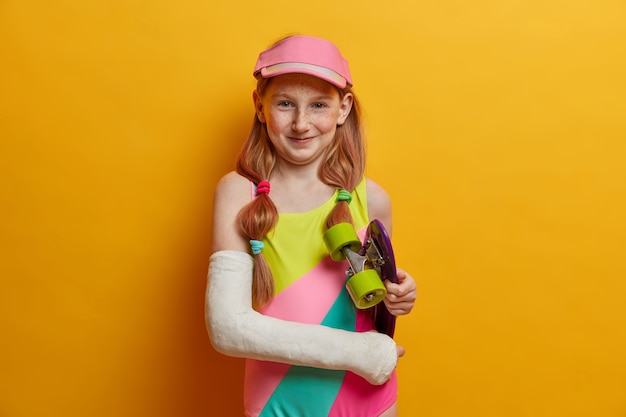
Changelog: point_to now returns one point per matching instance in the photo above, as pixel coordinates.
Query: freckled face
(301, 113)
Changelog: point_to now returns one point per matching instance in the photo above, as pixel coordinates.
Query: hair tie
(263, 188)
(257, 246)
(344, 195)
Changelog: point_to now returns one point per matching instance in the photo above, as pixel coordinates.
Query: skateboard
(370, 263)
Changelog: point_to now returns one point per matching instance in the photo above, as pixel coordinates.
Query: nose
(300, 121)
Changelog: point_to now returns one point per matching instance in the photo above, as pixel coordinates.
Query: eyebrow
(292, 97)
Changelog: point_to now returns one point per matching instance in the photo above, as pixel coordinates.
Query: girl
(274, 296)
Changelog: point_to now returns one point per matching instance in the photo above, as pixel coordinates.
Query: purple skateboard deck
(378, 249)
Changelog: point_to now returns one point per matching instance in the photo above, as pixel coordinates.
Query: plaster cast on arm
(238, 330)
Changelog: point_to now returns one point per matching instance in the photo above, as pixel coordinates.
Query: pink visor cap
(305, 55)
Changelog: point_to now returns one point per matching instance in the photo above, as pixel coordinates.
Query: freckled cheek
(326, 125)
(277, 124)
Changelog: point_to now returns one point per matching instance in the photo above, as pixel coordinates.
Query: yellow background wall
(498, 127)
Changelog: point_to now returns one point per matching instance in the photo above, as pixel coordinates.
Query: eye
(284, 103)
(319, 105)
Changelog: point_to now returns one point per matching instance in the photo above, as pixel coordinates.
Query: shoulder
(378, 203)
(377, 197)
(232, 192)
(233, 186)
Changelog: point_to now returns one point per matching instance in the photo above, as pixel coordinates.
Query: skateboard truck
(362, 264)
(370, 264)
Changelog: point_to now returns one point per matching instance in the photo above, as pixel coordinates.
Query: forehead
(300, 84)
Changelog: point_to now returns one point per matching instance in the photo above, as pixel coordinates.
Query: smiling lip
(295, 139)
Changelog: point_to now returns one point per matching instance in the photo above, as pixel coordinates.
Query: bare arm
(379, 204)
(231, 194)
(401, 296)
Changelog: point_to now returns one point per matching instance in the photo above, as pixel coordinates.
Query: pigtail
(345, 164)
(256, 219)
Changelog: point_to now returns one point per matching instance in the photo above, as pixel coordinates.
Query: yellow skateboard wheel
(366, 289)
(338, 237)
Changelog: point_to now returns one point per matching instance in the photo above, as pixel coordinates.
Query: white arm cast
(238, 330)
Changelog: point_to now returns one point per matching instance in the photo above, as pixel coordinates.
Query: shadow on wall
(224, 392)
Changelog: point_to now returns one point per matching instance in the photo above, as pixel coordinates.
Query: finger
(398, 290)
(401, 274)
(393, 299)
(392, 291)
(401, 351)
(399, 309)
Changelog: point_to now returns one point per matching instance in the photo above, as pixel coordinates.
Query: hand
(400, 350)
(400, 297)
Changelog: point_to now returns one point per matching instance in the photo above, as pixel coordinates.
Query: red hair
(343, 167)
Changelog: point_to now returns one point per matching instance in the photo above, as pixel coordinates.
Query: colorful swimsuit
(310, 289)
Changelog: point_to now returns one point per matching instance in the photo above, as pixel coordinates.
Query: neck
(298, 188)
(301, 174)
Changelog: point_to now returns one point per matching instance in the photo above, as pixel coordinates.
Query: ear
(258, 106)
(344, 108)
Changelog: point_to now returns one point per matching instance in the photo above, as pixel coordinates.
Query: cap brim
(302, 68)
